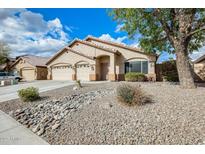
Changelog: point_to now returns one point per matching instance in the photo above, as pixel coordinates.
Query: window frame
(128, 66)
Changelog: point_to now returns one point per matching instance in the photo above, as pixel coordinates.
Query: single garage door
(82, 72)
(28, 74)
(62, 73)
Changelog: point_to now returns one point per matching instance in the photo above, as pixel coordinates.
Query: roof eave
(129, 48)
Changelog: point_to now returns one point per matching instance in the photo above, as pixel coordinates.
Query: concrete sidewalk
(13, 133)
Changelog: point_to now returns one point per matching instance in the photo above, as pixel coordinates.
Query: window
(136, 66)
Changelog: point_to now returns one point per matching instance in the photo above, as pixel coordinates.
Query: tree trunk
(184, 68)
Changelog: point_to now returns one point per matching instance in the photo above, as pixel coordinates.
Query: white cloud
(107, 37)
(118, 28)
(27, 32)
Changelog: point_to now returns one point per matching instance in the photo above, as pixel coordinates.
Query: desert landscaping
(93, 115)
(134, 82)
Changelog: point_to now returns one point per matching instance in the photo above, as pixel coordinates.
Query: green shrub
(134, 76)
(171, 77)
(28, 94)
(130, 95)
(79, 83)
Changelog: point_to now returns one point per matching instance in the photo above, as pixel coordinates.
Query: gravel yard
(176, 116)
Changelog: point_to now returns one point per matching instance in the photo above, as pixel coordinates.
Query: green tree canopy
(159, 26)
(178, 31)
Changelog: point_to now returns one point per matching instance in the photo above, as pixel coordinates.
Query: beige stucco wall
(21, 64)
(89, 50)
(116, 62)
(128, 55)
(70, 58)
(95, 52)
(99, 60)
(40, 72)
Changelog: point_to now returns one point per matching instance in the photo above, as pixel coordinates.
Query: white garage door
(28, 74)
(82, 72)
(62, 73)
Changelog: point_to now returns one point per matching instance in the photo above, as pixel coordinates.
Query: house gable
(68, 55)
(125, 50)
(21, 63)
(92, 50)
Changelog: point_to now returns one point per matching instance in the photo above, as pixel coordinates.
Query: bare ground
(176, 116)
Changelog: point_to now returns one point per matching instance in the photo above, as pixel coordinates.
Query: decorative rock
(55, 126)
(66, 112)
(41, 131)
(45, 118)
(55, 117)
(35, 129)
(40, 106)
(50, 114)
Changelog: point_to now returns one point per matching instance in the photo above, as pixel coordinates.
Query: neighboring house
(31, 67)
(95, 59)
(199, 67)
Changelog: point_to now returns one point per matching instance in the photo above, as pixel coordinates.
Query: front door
(104, 71)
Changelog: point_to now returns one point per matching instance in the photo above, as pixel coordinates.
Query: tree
(178, 31)
(4, 52)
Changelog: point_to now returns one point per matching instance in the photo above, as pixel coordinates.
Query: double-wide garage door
(28, 74)
(62, 73)
(65, 72)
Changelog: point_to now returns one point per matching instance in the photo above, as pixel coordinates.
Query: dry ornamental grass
(131, 95)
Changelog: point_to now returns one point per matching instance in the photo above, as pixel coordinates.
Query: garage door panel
(83, 72)
(28, 74)
(62, 73)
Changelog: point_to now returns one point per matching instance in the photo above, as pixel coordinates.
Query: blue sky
(44, 31)
(83, 21)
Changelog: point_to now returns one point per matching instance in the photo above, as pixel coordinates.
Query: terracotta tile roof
(36, 60)
(33, 60)
(89, 57)
(95, 45)
(89, 37)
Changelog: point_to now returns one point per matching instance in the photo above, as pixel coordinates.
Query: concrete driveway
(10, 92)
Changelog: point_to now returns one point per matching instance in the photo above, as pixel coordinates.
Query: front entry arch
(103, 64)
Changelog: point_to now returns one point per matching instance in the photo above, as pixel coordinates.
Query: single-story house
(30, 67)
(199, 67)
(95, 59)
